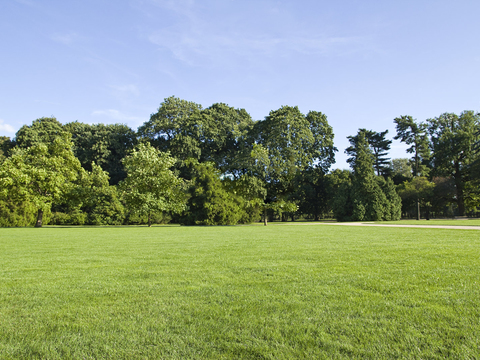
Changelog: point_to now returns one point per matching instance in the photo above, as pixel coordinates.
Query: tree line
(215, 165)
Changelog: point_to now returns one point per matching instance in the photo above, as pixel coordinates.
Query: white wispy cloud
(127, 90)
(66, 39)
(6, 127)
(198, 40)
(194, 47)
(116, 115)
(179, 6)
(25, 2)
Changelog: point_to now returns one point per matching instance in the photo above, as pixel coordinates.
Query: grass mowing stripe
(239, 292)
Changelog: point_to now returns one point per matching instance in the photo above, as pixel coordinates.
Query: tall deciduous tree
(175, 127)
(417, 189)
(311, 192)
(225, 139)
(321, 149)
(286, 143)
(5, 146)
(150, 184)
(218, 134)
(41, 173)
(90, 200)
(414, 134)
(104, 145)
(292, 142)
(453, 139)
(42, 131)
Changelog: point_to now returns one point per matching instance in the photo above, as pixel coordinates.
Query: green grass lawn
(276, 292)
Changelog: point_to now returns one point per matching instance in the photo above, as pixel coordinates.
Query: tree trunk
(149, 220)
(459, 190)
(265, 217)
(418, 209)
(39, 218)
(460, 201)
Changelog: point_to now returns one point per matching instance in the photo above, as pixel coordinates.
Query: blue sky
(362, 63)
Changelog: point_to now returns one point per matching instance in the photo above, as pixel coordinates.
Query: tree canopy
(215, 165)
(104, 145)
(453, 141)
(150, 184)
(40, 173)
(379, 145)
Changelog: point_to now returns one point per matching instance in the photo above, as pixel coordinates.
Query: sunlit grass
(313, 291)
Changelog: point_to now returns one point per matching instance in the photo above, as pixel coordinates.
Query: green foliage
(5, 146)
(100, 200)
(400, 170)
(253, 192)
(393, 204)
(175, 127)
(156, 217)
(273, 150)
(279, 207)
(219, 134)
(90, 200)
(42, 131)
(76, 217)
(369, 201)
(417, 189)
(271, 165)
(14, 213)
(211, 202)
(453, 140)
(339, 188)
(379, 146)
(260, 162)
(104, 145)
(150, 185)
(225, 138)
(369, 197)
(15, 208)
(40, 174)
(248, 187)
(288, 142)
(342, 203)
(322, 150)
(294, 142)
(472, 197)
(414, 134)
(401, 167)
(443, 198)
(312, 192)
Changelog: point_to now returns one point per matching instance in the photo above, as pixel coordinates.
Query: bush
(20, 214)
(134, 218)
(211, 203)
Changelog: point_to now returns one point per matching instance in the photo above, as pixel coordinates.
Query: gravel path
(457, 227)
